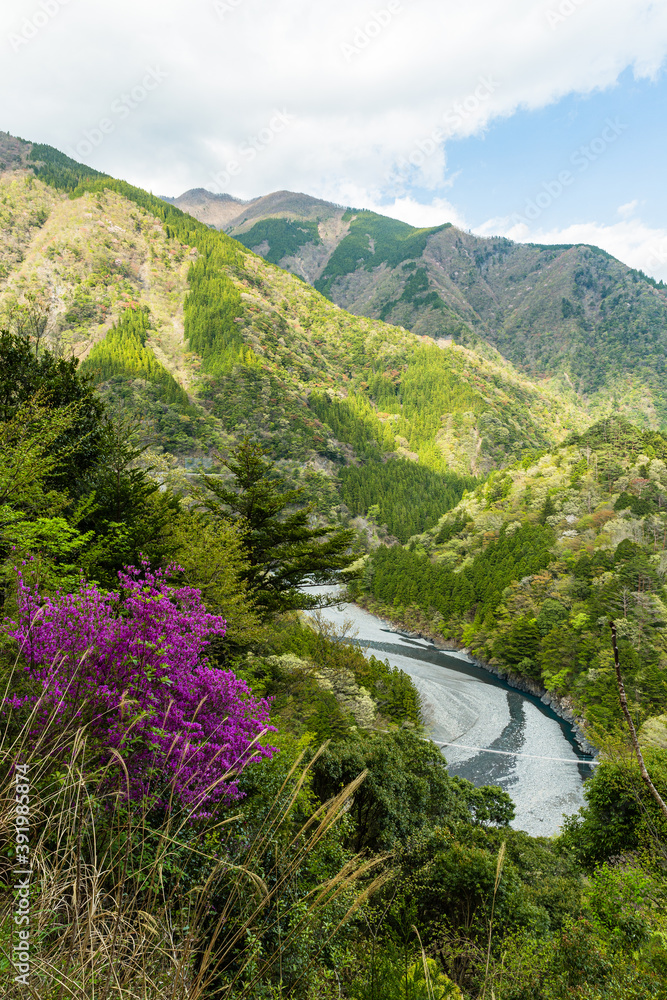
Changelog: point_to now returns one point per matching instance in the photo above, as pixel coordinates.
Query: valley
(215, 415)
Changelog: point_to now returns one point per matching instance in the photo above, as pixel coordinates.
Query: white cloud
(356, 117)
(423, 216)
(628, 210)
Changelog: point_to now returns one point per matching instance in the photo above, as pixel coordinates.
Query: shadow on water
(487, 769)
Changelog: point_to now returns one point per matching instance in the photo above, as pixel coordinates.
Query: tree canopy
(285, 544)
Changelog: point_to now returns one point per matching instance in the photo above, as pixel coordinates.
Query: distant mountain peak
(202, 195)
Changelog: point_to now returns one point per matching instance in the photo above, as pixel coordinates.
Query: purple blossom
(128, 665)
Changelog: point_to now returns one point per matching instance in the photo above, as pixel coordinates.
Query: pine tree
(285, 548)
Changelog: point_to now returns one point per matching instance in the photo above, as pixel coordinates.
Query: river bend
(464, 704)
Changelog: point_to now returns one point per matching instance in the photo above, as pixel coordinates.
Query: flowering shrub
(128, 666)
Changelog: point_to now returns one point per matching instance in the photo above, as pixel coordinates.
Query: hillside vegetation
(254, 349)
(571, 313)
(225, 797)
(530, 567)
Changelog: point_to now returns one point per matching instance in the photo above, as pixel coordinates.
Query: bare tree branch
(631, 726)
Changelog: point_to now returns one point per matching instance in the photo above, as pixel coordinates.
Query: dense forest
(569, 311)
(531, 566)
(373, 240)
(224, 798)
(283, 237)
(124, 354)
(406, 497)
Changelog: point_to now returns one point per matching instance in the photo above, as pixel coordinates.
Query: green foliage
(409, 497)
(354, 421)
(54, 383)
(284, 237)
(59, 170)
(620, 898)
(210, 555)
(407, 788)
(452, 526)
(400, 577)
(31, 518)
(373, 240)
(250, 401)
(415, 293)
(617, 438)
(130, 515)
(300, 702)
(124, 354)
(264, 354)
(283, 549)
(552, 614)
(391, 688)
(526, 566)
(410, 408)
(211, 308)
(620, 816)
(519, 645)
(528, 569)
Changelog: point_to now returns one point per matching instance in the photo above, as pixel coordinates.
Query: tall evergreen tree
(53, 383)
(132, 518)
(286, 545)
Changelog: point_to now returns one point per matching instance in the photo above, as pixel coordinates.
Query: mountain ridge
(256, 350)
(570, 311)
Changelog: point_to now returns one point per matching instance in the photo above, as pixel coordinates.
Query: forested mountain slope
(230, 345)
(531, 566)
(569, 311)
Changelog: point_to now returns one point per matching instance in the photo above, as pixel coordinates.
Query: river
(506, 738)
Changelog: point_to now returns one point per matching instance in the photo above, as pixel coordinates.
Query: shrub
(128, 666)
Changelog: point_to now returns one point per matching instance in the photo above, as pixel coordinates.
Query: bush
(128, 667)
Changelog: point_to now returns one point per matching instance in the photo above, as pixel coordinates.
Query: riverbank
(416, 626)
(489, 732)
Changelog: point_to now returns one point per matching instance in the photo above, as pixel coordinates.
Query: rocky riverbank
(562, 706)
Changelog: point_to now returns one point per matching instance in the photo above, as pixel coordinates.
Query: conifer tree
(285, 543)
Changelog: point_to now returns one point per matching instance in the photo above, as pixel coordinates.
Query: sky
(541, 120)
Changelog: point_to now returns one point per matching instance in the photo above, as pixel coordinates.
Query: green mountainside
(231, 345)
(207, 343)
(571, 312)
(530, 567)
(261, 814)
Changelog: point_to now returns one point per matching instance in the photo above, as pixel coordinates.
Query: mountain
(573, 312)
(227, 344)
(521, 538)
(237, 216)
(217, 210)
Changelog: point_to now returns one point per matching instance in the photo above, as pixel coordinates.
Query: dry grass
(124, 907)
